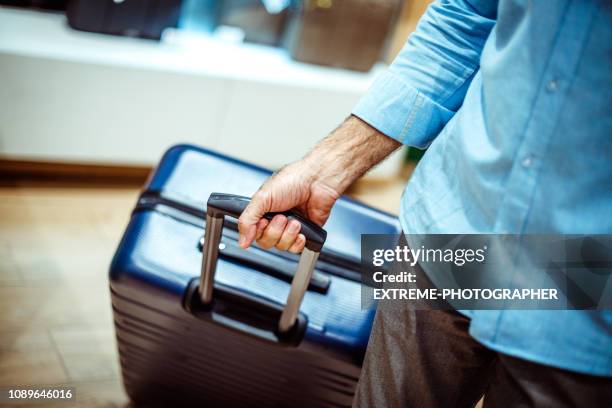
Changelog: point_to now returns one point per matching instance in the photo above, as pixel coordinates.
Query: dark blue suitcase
(176, 349)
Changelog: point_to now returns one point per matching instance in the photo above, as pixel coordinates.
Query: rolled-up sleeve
(426, 83)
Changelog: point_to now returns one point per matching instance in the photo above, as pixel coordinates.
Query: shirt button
(552, 85)
(527, 161)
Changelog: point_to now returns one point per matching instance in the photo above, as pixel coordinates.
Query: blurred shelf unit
(343, 33)
(91, 98)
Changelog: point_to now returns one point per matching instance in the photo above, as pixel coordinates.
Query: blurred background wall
(116, 82)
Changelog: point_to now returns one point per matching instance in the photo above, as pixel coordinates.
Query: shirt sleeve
(427, 82)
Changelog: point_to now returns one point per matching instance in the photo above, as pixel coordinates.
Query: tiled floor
(55, 316)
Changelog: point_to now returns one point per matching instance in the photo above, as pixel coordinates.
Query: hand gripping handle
(221, 205)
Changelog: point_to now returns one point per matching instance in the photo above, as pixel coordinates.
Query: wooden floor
(55, 315)
(55, 318)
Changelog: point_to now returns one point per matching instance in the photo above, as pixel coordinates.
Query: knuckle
(241, 222)
(274, 233)
(262, 197)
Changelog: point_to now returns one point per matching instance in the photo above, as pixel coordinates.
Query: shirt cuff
(400, 111)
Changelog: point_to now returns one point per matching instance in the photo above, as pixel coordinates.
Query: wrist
(345, 155)
(325, 166)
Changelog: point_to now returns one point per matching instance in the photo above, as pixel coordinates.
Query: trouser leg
(521, 383)
(422, 358)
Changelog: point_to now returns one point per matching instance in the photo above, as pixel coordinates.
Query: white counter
(83, 97)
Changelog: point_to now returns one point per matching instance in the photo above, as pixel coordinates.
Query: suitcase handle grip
(220, 205)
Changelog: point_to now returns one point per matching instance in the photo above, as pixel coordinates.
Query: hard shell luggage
(223, 329)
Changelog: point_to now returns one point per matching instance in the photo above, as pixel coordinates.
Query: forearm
(312, 185)
(348, 153)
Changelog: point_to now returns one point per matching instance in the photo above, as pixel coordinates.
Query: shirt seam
(416, 106)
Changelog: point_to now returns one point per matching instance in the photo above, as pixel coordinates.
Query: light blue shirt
(514, 101)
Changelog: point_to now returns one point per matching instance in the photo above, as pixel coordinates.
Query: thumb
(247, 223)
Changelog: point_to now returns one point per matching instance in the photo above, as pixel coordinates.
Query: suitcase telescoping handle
(221, 205)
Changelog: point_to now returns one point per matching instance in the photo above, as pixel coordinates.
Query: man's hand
(294, 187)
(312, 185)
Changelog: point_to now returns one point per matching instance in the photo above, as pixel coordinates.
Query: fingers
(289, 236)
(261, 226)
(273, 232)
(277, 232)
(298, 245)
(247, 223)
(282, 234)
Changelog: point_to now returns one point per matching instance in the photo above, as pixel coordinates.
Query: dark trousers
(426, 358)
